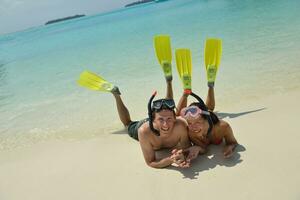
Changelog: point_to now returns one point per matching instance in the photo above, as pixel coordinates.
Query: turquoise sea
(39, 97)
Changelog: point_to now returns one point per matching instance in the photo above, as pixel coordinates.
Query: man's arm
(182, 129)
(149, 153)
(184, 143)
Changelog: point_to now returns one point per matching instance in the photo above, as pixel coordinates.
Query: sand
(112, 167)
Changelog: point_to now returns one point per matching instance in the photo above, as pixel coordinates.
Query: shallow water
(39, 97)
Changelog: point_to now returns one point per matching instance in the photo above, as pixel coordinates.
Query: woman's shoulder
(221, 125)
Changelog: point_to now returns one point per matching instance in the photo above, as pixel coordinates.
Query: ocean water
(39, 97)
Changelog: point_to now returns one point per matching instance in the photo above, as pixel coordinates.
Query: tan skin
(198, 134)
(198, 129)
(173, 134)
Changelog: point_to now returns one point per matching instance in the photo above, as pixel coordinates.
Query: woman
(205, 127)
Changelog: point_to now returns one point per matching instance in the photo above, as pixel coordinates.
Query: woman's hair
(202, 106)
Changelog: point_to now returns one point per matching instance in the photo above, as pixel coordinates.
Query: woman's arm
(230, 140)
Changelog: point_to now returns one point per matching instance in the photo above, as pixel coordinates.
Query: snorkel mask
(192, 112)
(157, 106)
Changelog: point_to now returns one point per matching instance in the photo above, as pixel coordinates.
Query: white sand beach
(60, 141)
(112, 167)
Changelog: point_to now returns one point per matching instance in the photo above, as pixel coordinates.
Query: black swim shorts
(133, 128)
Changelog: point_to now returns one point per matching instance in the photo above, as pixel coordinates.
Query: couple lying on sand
(186, 130)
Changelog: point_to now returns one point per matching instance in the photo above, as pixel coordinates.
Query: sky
(16, 15)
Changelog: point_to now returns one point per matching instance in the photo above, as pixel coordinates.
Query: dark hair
(152, 110)
(157, 111)
(212, 118)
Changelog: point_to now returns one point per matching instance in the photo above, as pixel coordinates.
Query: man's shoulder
(144, 129)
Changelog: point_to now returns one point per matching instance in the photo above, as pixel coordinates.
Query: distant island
(143, 1)
(138, 2)
(63, 19)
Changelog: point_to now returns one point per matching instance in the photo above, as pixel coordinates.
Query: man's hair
(157, 111)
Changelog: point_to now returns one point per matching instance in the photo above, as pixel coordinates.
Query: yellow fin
(94, 82)
(213, 53)
(162, 46)
(184, 67)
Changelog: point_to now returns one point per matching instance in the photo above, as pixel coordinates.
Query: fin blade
(162, 46)
(219, 53)
(94, 82)
(87, 85)
(213, 53)
(184, 67)
(179, 63)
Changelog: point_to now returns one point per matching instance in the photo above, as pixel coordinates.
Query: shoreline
(236, 109)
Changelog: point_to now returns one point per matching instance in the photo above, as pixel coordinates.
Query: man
(161, 130)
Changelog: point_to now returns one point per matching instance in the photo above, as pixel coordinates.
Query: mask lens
(163, 103)
(169, 103)
(157, 105)
(191, 110)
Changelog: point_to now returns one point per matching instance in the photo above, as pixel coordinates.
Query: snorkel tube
(202, 104)
(156, 132)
